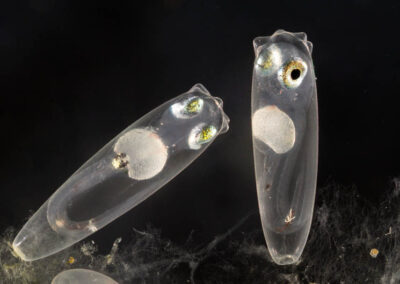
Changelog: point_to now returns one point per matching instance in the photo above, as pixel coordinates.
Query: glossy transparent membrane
(285, 259)
(82, 276)
(286, 247)
(129, 169)
(285, 141)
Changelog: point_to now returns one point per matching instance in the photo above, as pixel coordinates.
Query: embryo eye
(187, 108)
(268, 61)
(292, 73)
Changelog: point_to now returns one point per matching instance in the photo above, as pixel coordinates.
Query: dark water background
(75, 73)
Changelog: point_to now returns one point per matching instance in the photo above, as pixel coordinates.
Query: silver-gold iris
(292, 73)
(187, 108)
(268, 60)
(201, 134)
(193, 106)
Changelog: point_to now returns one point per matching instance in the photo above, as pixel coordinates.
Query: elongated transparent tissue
(130, 168)
(285, 141)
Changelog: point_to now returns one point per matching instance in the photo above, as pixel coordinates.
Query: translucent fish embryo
(285, 141)
(82, 276)
(126, 171)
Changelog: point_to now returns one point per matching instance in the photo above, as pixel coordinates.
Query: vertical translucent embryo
(285, 141)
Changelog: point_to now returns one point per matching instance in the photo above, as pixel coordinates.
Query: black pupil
(295, 74)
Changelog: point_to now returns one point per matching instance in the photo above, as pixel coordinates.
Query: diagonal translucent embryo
(126, 171)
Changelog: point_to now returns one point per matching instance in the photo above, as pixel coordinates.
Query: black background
(76, 73)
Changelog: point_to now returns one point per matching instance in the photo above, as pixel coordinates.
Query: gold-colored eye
(193, 106)
(264, 61)
(206, 134)
(187, 108)
(269, 60)
(292, 74)
(201, 134)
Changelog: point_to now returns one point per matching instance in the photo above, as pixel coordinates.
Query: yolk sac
(274, 128)
(82, 276)
(126, 171)
(147, 158)
(285, 141)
